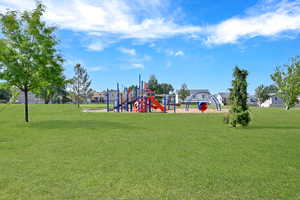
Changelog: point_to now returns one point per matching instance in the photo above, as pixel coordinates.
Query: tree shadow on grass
(73, 124)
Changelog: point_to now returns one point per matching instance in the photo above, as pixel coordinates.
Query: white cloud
(269, 19)
(149, 20)
(138, 66)
(131, 66)
(179, 53)
(168, 65)
(95, 69)
(174, 53)
(137, 19)
(131, 52)
(96, 46)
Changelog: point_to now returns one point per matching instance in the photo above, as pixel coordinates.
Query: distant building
(275, 101)
(32, 99)
(101, 97)
(252, 100)
(98, 97)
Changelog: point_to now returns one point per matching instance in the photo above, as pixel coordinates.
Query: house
(101, 97)
(98, 97)
(32, 99)
(275, 101)
(252, 100)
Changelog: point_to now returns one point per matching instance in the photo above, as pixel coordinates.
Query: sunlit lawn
(67, 154)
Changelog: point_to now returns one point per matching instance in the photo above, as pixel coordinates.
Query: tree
(287, 80)
(239, 113)
(52, 91)
(153, 83)
(261, 94)
(28, 57)
(81, 85)
(4, 92)
(14, 94)
(184, 92)
(164, 88)
(272, 89)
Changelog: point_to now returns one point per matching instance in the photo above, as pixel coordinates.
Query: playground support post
(107, 100)
(142, 89)
(118, 98)
(120, 105)
(174, 101)
(127, 99)
(139, 92)
(165, 104)
(149, 105)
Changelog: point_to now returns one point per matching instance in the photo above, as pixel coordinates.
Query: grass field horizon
(64, 153)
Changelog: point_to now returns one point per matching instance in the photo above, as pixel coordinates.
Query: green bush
(239, 113)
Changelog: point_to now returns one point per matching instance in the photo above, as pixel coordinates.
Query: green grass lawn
(67, 154)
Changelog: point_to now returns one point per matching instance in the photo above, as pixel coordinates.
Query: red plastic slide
(156, 104)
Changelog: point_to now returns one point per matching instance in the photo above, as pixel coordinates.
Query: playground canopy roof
(198, 96)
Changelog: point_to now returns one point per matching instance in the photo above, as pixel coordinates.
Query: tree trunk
(26, 104)
(78, 102)
(47, 101)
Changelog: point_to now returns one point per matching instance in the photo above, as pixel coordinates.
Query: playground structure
(141, 99)
(202, 104)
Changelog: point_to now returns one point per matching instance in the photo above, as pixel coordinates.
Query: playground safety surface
(178, 110)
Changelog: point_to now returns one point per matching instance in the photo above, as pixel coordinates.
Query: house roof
(224, 94)
(194, 91)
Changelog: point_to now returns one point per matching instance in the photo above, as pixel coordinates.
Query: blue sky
(197, 42)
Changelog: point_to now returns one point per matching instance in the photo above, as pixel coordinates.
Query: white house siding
(275, 101)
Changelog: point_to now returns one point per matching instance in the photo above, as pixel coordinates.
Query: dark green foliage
(153, 83)
(287, 80)
(4, 92)
(184, 92)
(239, 113)
(164, 88)
(4, 95)
(159, 88)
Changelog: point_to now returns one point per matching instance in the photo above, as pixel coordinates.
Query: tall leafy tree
(28, 55)
(164, 88)
(153, 83)
(287, 80)
(81, 85)
(239, 113)
(183, 92)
